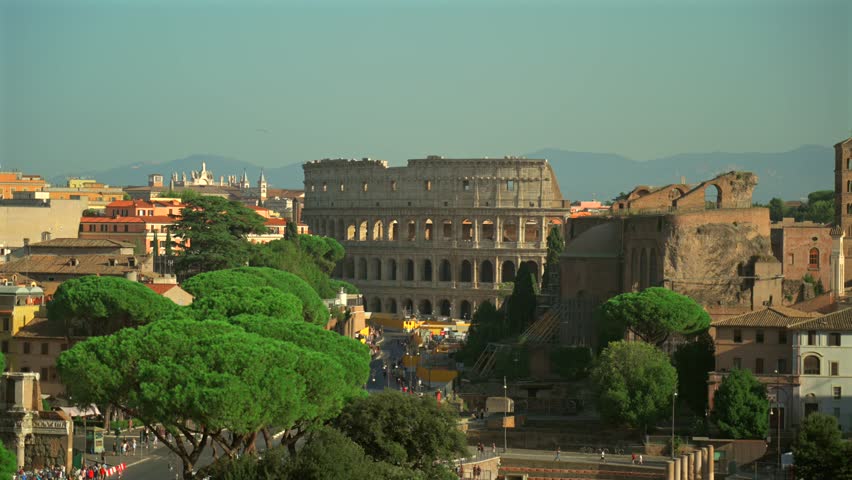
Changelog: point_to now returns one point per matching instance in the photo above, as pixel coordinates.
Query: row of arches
(515, 229)
(408, 270)
(644, 268)
(408, 306)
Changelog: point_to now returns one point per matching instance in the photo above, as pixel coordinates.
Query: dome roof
(601, 241)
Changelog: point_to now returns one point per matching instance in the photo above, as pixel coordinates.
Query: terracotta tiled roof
(62, 264)
(160, 288)
(112, 220)
(275, 221)
(130, 203)
(841, 320)
(81, 243)
(776, 316)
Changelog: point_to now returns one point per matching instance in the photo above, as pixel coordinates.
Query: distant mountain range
(582, 175)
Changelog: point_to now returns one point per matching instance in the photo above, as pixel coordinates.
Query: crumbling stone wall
(46, 451)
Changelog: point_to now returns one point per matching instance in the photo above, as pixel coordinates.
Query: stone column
(498, 272)
(20, 449)
(498, 230)
(711, 463)
(691, 465)
(684, 467)
(521, 230)
(670, 472)
(474, 272)
(677, 469)
(699, 463)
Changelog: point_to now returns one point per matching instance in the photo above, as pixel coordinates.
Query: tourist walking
(603, 456)
(558, 452)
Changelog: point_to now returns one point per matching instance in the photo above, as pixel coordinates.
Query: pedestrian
(603, 456)
(115, 447)
(133, 446)
(633, 458)
(494, 448)
(641, 460)
(558, 452)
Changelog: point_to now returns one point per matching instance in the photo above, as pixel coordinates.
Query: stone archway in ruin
(445, 272)
(409, 270)
(349, 268)
(507, 271)
(378, 231)
(465, 310)
(350, 232)
(466, 230)
(376, 271)
(510, 232)
(392, 269)
(532, 265)
(427, 270)
(712, 197)
(411, 233)
(408, 306)
(393, 231)
(363, 229)
(425, 307)
(447, 230)
(532, 231)
(486, 272)
(428, 231)
(362, 269)
(466, 272)
(446, 308)
(391, 305)
(488, 231)
(376, 305)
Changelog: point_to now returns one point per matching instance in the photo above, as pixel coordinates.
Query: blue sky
(94, 84)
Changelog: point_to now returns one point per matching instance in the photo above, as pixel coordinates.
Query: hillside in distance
(582, 175)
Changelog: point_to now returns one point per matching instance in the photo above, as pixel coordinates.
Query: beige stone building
(437, 236)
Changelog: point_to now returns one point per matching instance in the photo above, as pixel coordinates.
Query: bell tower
(261, 187)
(843, 194)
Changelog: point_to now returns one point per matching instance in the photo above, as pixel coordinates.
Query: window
(428, 185)
(782, 365)
(393, 185)
(791, 259)
(738, 336)
(834, 339)
(811, 365)
(813, 258)
(324, 186)
(45, 348)
(849, 208)
(758, 365)
(835, 369)
(313, 189)
(738, 362)
(510, 185)
(43, 373)
(115, 228)
(364, 186)
(466, 185)
(782, 337)
(837, 392)
(6, 324)
(26, 347)
(758, 337)
(811, 337)
(341, 187)
(125, 228)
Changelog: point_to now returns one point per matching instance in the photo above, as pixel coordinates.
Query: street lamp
(674, 400)
(505, 408)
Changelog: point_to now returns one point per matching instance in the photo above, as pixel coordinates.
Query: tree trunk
(107, 416)
(267, 438)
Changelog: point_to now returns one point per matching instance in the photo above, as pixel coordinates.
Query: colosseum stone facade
(438, 236)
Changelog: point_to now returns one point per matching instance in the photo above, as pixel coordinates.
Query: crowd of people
(57, 472)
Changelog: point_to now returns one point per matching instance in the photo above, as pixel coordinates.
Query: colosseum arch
(653, 269)
(532, 231)
(465, 310)
(349, 268)
(350, 232)
(487, 231)
(362, 268)
(486, 272)
(510, 231)
(643, 269)
(424, 307)
(427, 230)
(393, 231)
(408, 306)
(378, 231)
(712, 196)
(363, 229)
(507, 271)
(466, 230)
(446, 309)
(427, 270)
(447, 230)
(409, 270)
(341, 230)
(331, 231)
(376, 271)
(412, 231)
(445, 271)
(532, 265)
(391, 305)
(392, 269)
(376, 305)
(466, 274)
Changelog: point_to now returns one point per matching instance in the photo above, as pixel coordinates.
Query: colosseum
(438, 236)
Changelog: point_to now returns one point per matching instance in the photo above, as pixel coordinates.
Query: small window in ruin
(324, 187)
(813, 258)
(393, 185)
(510, 185)
(466, 185)
(342, 187)
(428, 185)
(364, 186)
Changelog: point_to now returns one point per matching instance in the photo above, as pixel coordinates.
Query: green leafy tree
(635, 382)
(8, 460)
(102, 305)
(693, 361)
(405, 430)
(776, 209)
(652, 314)
(313, 308)
(169, 245)
(820, 451)
(213, 232)
(821, 211)
(326, 252)
(521, 307)
(571, 363)
(555, 245)
(488, 325)
(291, 234)
(740, 406)
(233, 301)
